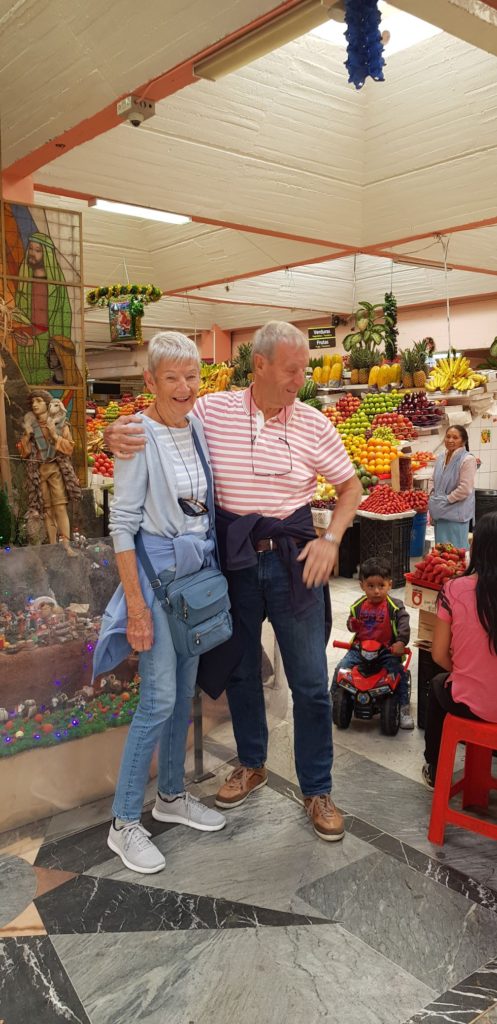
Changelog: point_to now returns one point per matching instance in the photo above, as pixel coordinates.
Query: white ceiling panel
(476, 248)
(322, 286)
(438, 102)
(458, 192)
(329, 286)
(62, 62)
(415, 285)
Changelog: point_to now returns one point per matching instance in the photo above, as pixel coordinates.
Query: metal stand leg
(198, 748)
(106, 512)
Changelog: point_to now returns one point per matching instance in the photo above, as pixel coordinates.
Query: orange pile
(376, 456)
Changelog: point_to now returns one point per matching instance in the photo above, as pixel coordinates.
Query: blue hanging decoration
(365, 45)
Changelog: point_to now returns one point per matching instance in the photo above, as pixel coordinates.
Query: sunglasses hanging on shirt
(193, 507)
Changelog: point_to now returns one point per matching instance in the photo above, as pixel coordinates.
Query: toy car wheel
(390, 716)
(342, 709)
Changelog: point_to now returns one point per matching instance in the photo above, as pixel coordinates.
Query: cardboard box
(420, 597)
(426, 626)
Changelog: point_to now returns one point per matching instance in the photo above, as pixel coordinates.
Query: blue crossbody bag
(197, 605)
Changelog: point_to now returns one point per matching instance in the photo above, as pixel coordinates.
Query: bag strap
(210, 490)
(158, 587)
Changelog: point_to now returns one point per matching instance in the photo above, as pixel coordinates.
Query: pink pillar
(18, 191)
(221, 345)
(206, 345)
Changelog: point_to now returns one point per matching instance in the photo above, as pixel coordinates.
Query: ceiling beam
(158, 88)
(459, 21)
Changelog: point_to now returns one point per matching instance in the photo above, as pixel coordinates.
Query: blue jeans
(261, 590)
(162, 717)
(386, 660)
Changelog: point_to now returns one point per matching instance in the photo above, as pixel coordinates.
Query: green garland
(140, 294)
(51, 728)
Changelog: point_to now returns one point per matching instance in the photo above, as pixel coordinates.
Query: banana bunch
(214, 377)
(454, 374)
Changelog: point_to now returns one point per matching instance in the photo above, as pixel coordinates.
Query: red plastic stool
(476, 783)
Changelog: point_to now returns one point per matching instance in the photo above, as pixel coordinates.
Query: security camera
(136, 118)
(135, 110)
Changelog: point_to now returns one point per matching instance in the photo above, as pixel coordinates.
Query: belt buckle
(271, 544)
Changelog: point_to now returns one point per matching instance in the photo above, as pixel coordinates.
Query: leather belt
(266, 545)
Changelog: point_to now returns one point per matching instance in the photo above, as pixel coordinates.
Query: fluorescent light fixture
(412, 261)
(145, 212)
(287, 27)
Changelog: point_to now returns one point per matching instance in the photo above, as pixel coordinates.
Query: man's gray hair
(172, 347)
(273, 333)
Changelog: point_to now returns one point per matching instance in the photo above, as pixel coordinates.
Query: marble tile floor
(261, 921)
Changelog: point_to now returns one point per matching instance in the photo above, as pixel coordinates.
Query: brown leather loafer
(327, 820)
(239, 785)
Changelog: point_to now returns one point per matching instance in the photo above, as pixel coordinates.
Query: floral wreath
(139, 295)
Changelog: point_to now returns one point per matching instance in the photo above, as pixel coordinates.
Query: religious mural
(42, 299)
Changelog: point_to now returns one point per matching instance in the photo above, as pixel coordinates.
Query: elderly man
(267, 449)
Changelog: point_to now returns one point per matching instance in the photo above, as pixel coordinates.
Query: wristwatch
(331, 538)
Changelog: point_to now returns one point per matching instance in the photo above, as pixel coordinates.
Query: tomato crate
(390, 539)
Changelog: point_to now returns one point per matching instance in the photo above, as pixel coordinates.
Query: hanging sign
(322, 337)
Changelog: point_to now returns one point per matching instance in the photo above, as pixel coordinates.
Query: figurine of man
(47, 445)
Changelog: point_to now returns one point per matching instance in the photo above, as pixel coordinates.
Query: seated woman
(465, 644)
(452, 500)
(163, 494)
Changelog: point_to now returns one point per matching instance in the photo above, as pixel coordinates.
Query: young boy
(377, 616)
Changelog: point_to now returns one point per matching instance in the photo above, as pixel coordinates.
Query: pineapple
(242, 364)
(407, 366)
(357, 366)
(419, 367)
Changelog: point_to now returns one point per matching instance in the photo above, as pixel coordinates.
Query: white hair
(173, 347)
(277, 332)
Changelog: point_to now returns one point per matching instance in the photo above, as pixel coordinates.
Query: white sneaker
(406, 719)
(132, 844)
(188, 810)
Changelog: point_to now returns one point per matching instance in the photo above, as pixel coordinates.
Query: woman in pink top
(465, 644)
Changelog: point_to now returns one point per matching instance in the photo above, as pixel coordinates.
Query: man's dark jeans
(264, 589)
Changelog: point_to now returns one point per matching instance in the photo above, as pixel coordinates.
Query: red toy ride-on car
(367, 690)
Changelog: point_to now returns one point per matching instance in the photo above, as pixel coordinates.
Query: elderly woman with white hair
(162, 500)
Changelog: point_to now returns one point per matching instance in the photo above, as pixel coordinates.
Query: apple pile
(439, 565)
(377, 404)
(347, 405)
(420, 411)
(400, 425)
(333, 414)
